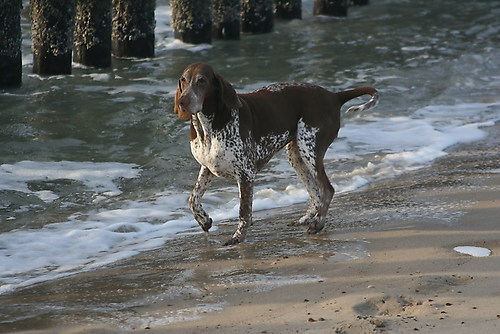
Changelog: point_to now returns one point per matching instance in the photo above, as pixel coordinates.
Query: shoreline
(385, 263)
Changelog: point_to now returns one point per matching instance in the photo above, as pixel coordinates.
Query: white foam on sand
(473, 251)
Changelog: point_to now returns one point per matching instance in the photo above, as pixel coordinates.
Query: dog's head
(200, 89)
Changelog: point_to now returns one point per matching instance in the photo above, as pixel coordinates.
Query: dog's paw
(315, 227)
(208, 225)
(238, 237)
(205, 224)
(307, 219)
(232, 241)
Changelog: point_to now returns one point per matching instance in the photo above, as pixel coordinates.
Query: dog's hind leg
(307, 179)
(321, 191)
(326, 194)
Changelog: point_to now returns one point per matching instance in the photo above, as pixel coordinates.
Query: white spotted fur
(225, 153)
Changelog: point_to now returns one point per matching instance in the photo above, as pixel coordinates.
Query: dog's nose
(184, 102)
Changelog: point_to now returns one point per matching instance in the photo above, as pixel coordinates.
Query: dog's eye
(182, 79)
(201, 80)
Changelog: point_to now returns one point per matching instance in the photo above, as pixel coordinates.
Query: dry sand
(385, 264)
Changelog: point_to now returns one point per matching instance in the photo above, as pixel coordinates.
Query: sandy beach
(385, 263)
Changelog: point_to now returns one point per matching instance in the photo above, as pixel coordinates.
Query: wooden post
(192, 20)
(360, 2)
(10, 43)
(227, 19)
(133, 32)
(257, 16)
(289, 9)
(331, 7)
(92, 45)
(52, 35)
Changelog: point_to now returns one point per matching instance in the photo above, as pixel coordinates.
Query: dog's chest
(223, 151)
(221, 157)
(227, 154)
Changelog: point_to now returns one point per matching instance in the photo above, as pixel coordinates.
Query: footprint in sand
(431, 284)
(385, 305)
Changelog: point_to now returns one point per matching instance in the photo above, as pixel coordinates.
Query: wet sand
(385, 263)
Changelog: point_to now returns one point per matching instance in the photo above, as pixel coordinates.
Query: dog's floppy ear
(227, 93)
(183, 116)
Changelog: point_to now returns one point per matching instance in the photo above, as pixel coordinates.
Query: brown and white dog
(235, 135)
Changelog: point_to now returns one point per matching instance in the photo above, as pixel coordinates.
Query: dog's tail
(354, 93)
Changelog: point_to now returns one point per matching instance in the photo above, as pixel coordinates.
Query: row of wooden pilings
(91, 31)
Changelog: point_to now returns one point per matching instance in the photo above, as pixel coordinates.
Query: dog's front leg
(245, 185)
(204, 178)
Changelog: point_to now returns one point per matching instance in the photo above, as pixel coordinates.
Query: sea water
(95, 167)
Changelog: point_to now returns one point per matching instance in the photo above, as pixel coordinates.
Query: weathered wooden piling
(52, 35)
(360, 2)
(226, 19)
(133, 32)
(257, 16)
(10, 43)
(288, 9)
(331, 7)
(192, 20)
(92, 39)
